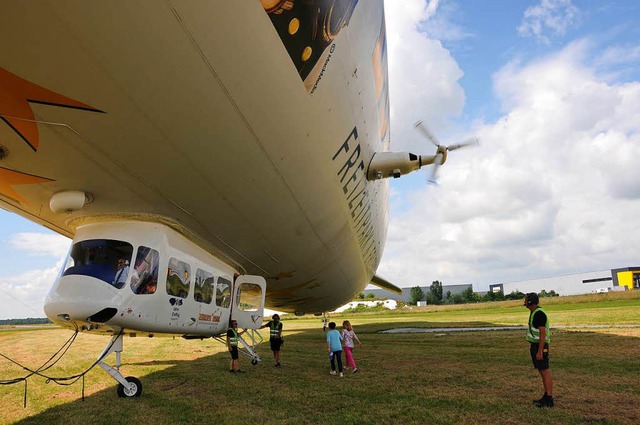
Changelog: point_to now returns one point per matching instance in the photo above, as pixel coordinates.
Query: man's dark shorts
(275, 343)
(540, 364)
(234, 353)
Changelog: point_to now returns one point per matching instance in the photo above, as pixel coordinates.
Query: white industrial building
(578, 283)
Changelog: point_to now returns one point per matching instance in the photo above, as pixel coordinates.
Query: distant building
(406, 292)
(454, 289)
(626, 278)
(578, 283)
(496, 287)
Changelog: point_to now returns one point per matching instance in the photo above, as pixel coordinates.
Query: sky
(552, 90)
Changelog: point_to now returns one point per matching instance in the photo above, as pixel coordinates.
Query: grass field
(426, 378)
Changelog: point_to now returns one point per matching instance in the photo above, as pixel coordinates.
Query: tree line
(435, 296)
(28, 321)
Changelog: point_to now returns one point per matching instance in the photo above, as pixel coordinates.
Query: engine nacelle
(395, 164)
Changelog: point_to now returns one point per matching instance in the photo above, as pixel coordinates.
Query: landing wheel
(134, 390)
(254, 362)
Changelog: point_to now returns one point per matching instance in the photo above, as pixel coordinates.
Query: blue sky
(551, 87)
(31, 257)
(484, 35)
(11, 226)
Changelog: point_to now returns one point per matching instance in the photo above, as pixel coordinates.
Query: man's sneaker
(545, 402)
(355, 370)
(341, 375)
(231, 370)
(333, 372)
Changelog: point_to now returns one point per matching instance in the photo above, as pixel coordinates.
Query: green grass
(447, 378)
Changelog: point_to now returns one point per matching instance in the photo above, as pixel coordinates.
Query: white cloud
(423, 76)
(23, 295)
(555, 16)
(442, 25)
(553, 189)
(41, 244)
(620, 55)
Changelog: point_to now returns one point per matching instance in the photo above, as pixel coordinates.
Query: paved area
(495, 328)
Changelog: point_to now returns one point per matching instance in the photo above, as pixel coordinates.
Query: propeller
(442, 150)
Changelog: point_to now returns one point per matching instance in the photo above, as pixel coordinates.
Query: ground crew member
(539, 336)
(232, 345)
(275, 337)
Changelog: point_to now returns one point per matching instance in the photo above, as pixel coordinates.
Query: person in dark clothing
(122, 271)
(275, 337)
(539, 337)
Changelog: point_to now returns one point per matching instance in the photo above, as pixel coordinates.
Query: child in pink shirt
(348, 335)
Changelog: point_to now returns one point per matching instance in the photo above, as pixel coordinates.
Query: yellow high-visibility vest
(533, 334)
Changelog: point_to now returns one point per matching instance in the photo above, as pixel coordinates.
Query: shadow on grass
(151, 362)
(471, 377)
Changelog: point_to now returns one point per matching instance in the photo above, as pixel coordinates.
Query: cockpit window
(144, 277)
(178, 281)
(104, 259)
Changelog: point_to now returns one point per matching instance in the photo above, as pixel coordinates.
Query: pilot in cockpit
(121, 273)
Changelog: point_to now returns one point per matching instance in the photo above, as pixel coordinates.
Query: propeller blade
(441, 152)
(437, 162)
(469, 142)
(426, 133)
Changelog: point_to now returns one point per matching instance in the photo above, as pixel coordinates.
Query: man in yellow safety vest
(539, 336)
(232, 345)
(275, 337)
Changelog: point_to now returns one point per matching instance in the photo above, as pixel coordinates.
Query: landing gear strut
(127, 387)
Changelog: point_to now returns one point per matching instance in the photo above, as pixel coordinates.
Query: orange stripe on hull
(15, 95)
(9, 178)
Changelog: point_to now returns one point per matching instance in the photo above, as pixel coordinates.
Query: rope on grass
(62, 380)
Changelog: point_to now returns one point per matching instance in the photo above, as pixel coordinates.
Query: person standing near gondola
(232, 344)
(275, 337)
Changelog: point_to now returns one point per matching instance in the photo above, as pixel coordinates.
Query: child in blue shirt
(334, 345)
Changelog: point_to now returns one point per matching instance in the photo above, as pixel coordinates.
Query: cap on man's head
(531, 299)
